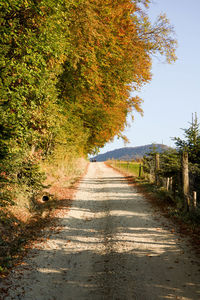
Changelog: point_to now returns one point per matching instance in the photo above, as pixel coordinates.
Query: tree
(111, 47)
(191, 143)
(67, 70)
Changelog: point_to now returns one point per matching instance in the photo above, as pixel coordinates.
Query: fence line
(171, 184)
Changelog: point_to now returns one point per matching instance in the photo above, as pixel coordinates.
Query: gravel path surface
(110, 245)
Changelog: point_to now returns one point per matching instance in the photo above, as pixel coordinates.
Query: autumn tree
(67, 70)
(112, 44)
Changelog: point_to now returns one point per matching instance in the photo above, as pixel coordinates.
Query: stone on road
(112, 245)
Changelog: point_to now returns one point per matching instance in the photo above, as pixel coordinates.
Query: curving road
(110, 245)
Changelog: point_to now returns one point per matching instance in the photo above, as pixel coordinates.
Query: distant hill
(129, 153)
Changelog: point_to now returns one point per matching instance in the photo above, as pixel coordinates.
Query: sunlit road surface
(110, 245)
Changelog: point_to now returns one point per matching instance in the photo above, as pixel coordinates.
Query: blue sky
(174, 92)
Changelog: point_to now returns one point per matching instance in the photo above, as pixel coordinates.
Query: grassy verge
(173, 207)
(22, 223)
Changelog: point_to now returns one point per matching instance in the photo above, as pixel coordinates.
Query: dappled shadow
(116, 250)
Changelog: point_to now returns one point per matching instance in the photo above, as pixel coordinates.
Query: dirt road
(112, 245)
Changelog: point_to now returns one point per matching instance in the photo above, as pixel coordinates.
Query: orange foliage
(111, 47)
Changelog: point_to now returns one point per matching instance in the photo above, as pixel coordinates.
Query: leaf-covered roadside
(20, 227)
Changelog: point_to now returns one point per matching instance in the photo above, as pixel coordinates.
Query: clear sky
(174, 92)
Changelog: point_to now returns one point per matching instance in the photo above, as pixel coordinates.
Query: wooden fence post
(157, 167)
(185, 178)
(170, 183)
(140, 170)
(167, 184)
(195, 199)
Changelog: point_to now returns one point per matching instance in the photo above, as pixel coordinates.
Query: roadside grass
(173, 206)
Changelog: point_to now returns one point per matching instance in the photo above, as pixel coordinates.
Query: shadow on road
(116, 251)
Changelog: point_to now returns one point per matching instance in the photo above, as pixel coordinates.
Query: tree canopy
(67, 69)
